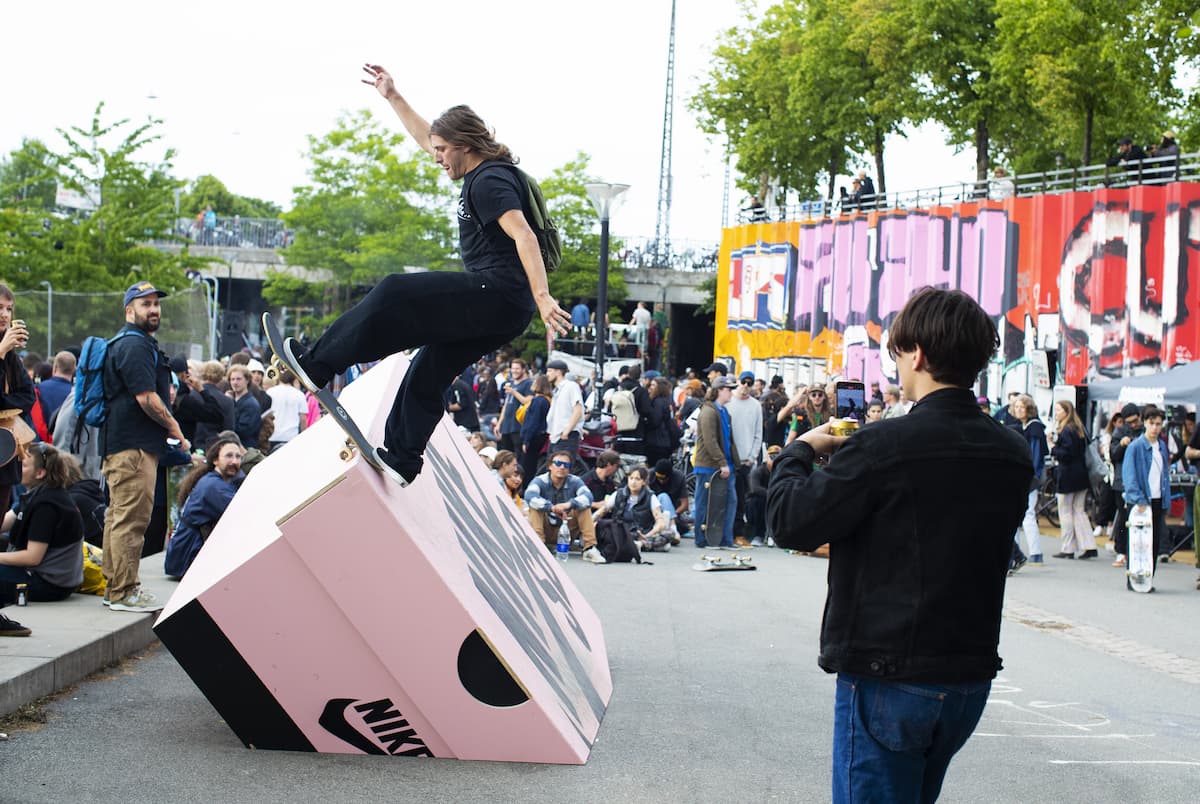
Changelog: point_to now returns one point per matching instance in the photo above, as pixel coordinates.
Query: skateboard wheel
(346, 454)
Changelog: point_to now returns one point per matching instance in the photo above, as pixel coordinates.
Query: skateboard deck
(714, 517)
(355, 440)
(1140, 567)
(709, 563)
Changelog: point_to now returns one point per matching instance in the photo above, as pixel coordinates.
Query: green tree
(1088, 71)
(27, 177)
(208, 190)
(375, 206)
(105, 248)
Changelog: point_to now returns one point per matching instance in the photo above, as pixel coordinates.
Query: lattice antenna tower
(662, 226)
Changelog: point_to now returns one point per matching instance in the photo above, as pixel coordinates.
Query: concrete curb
(71, 640)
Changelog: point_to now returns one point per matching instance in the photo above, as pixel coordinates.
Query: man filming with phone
(912, 621)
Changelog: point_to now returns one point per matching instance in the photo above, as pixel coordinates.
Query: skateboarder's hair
(956, 335)
(459, 125)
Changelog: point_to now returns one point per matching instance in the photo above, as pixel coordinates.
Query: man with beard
(203, 497)
(137, 379)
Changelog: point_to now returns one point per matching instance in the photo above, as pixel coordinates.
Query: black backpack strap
(477, 172)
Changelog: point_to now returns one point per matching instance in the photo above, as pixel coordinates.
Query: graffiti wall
(1117, 269)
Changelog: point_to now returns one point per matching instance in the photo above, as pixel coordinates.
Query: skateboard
(718, 496)
(709, 563)
(1140, 568)
(355, 440)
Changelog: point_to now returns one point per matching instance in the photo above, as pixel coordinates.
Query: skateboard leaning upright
(1139, 571)
(355, 440)
(714, 515)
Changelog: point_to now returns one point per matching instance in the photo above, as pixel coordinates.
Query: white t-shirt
(562, 405)
(288, 403)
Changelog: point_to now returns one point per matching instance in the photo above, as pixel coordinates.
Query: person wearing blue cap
(137, 380)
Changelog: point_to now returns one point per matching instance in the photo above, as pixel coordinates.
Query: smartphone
(850, 397)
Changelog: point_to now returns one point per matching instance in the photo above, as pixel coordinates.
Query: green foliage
(106, 248)
(812, 86)
(208, 190)
(374, 207)
(708, 288)
(27, 177)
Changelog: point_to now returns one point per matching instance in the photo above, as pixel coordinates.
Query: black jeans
(453, 316)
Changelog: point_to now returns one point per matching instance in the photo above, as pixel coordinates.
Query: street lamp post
(49, 317)
(603, 197)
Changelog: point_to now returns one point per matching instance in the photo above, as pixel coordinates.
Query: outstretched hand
(554, 317)
(380, 79)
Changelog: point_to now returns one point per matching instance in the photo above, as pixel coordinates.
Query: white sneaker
(593, 555)
(756, 542)
(139, 601)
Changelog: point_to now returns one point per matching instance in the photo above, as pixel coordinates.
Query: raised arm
(418, 127)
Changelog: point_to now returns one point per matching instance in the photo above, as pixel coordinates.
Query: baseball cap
(140, 289)
(663, 467)
(488, 452)
(1124, 141)
(720, 368)
(255, 365)
(746, 375)
(178, 364)
(560, 365)
(982, 400)
(724, 382)
(650, 375)
(774, 449)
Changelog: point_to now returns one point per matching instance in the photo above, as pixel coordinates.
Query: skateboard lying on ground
(1139, 571)
(713, 525)
(709, 563)
(355, 440)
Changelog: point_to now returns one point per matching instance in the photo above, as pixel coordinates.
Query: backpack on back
(544, 227)
(624, 410)
(91, 402)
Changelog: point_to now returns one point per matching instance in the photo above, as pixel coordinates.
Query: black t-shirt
(49, 516)
(462, 395)
(675, 485)
(134, 365)
(599, 487)
(494, 189)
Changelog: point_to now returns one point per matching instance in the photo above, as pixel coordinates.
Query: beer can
(842, 427)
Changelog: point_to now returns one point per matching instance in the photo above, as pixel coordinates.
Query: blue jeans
(893, 741)
(701, 506)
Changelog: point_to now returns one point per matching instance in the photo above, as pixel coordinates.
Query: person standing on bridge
(453, 316)
(912, 616)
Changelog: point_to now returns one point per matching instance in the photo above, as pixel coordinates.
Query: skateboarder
(453, 316)
(714, 461)
(1146, 474)
(912, 619)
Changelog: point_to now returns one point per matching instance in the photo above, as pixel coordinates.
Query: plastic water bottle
(564, 542)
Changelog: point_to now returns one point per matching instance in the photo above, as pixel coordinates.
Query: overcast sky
(240, 86)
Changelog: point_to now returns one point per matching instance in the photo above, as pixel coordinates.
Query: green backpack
(544, 227)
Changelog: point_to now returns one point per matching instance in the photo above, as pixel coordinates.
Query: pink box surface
(332, 610)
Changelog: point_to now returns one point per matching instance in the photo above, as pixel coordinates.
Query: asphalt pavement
(717, 697)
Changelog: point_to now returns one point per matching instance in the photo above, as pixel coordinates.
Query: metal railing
(678, 255)
(1149, 171)
(233, 232)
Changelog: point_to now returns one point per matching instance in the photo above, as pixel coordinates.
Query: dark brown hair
(459, 125)
(956, 335)
(62, 470)
(210, 465)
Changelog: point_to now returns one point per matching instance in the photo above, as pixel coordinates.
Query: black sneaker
(12, 627)
(1063, 555)
(1020, 562)
(391, 467)
(1089, 554)
(293, 350)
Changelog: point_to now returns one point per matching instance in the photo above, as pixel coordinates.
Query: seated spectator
(557, 496)
(639, 508)
(489, 455)
(503, 465)
(477, 441)
(756, 502)
(599, 480)
(671, 487)
(513, 483)
(45, 545)
(203, 497)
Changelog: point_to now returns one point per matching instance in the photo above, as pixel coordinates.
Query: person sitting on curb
(203, 497)
(45, 549)
(557, 496)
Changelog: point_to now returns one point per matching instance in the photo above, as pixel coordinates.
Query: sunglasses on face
(816, 393)
(747, 382)
(563, 464)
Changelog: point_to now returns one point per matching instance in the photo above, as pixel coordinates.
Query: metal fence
(678, 255)
(234, 232)
(1150, 171)
(57, 320)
